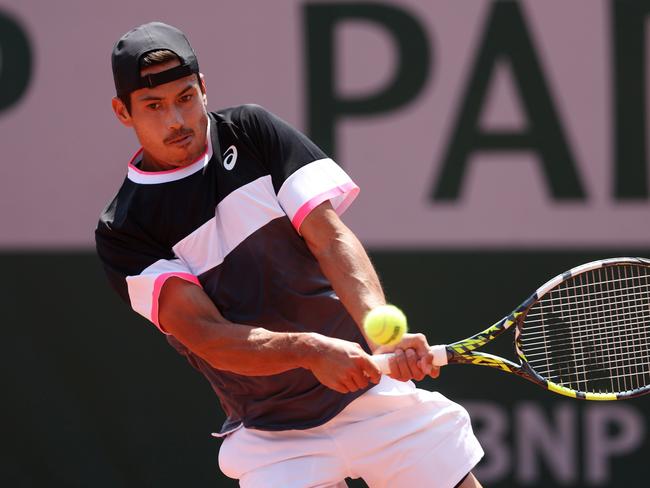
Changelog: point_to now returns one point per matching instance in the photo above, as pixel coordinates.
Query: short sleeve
(302, 174)
(137, 272)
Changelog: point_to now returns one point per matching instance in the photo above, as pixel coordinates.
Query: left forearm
(347, 266)
(352, 275)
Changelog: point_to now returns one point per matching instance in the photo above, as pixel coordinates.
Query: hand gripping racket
(584, 334)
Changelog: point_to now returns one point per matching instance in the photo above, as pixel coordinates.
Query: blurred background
(496, 143)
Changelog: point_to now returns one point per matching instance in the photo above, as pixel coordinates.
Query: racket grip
(439, 358)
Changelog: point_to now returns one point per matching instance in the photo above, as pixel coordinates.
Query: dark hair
(150, 59)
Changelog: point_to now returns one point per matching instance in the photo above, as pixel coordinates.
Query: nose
(174, 119)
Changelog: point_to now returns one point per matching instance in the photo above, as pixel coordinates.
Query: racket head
(586, 333)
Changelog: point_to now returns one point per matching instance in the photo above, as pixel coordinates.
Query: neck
(151, 164)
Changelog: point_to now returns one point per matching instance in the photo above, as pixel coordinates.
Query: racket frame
(464, 351)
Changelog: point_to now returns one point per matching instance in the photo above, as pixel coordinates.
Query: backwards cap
(153, 36)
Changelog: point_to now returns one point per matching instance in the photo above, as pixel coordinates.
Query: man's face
(170, 120)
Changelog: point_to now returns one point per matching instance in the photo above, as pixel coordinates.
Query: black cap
(137, 42)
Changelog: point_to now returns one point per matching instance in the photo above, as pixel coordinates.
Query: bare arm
(343, 261)
(186, 312)
(348, 268)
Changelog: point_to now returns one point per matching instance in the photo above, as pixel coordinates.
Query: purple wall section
(63, 153)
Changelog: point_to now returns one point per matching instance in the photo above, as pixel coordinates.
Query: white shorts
(393, 436)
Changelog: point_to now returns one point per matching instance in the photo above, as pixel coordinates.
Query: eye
(186, 98)
(153, 106)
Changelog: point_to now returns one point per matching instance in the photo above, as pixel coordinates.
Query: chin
(189, 157)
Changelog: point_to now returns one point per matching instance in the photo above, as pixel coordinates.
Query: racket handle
(439, 358)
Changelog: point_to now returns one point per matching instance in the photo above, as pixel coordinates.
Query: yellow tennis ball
(385, 325)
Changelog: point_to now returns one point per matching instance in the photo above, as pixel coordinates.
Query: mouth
(180, 141)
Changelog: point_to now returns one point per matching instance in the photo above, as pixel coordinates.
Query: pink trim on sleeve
(350, 188)
(157, 287)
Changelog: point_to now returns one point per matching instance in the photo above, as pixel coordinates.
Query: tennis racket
(584, 334)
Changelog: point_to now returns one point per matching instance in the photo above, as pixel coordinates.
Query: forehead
(167, 89)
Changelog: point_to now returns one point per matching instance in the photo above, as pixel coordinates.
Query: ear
(204, 92)
(121, 112)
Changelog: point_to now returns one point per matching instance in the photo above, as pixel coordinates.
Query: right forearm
(255, 351)
(187, 313)
(190, 316)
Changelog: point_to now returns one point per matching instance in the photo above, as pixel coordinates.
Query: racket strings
(592, 332)
(613, 326)
(641, 290)
(618, 338)
(578, 286)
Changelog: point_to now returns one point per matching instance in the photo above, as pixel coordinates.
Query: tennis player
(226, 235)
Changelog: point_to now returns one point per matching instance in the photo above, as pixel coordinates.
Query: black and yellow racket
(584, 334)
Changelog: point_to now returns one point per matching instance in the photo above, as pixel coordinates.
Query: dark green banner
(94, 396)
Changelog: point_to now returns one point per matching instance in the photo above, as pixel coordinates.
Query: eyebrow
(148, 98)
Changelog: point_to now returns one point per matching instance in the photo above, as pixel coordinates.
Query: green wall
(94, 396)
